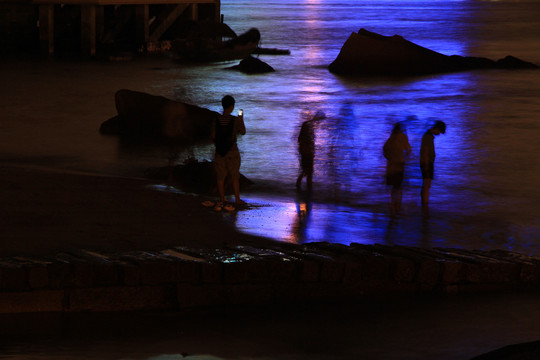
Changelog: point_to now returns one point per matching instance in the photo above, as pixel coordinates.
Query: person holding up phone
(227, 159)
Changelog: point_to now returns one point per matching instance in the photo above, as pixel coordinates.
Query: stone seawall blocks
(12, 277)
(31, 301)
(183, 278)
(428, 273)
(38, 276)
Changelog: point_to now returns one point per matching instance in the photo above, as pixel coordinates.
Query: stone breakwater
(181, 277)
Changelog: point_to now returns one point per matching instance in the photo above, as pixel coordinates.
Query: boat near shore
(212, 50)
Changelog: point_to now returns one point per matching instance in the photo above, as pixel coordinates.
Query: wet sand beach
(44, 212)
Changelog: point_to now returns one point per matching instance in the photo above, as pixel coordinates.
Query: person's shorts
(228, 165)
(427, 170)
(395, 178)
(306, 161)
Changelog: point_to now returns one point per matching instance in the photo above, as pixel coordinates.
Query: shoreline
(45, 212)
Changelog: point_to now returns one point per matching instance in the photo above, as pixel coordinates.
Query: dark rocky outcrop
(368, 53)
(143, 116)
(251, 65)
(524, 351)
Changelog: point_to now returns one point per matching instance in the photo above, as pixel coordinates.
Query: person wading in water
(396, 149)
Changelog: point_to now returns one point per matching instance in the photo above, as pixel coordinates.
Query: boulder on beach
(252, 65)
(368, 53)
(142, 115)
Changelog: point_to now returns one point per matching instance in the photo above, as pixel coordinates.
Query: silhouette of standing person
(227, 159)
(427, 159)
(395, 150)
(306, 148)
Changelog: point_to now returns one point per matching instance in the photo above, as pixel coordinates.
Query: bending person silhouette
(427, 158)
(396, 149)
(306, 148)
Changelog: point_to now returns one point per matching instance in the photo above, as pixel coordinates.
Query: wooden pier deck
(102, 21)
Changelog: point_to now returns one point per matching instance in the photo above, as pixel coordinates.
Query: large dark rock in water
(368, 53)
(144, 116)
(251, 65)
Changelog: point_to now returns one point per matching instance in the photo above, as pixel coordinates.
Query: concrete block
(189, 271)
(31, 301)
(129, 274)
(428, 272)
(157, 272)
(309, 271)
(451, 272)
(477, 273)
(377, 268)
(83, 274)
(105, 273)
(262, 271)
(60, 275)
(242, 272)
(503, 272)
(404, 270)
(279, 271)
(211, 272)
(38, 276)
(530, 274)
(332, 271)
(12, 278)
(353, 273)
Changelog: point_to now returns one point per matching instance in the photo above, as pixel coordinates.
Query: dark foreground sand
(44, 212)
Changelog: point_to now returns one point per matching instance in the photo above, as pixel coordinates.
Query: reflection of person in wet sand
(306, 147)
(302, 221)
(427, 158)
(395, 150)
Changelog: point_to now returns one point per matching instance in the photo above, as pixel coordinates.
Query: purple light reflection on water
(485, 194)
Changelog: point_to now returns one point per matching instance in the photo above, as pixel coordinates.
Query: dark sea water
(485, 194)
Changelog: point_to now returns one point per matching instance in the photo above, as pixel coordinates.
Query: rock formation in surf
(368, 53)
(252, 65)
(142, 115)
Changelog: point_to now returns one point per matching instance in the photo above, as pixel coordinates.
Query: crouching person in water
(395, 150)
(227, 159)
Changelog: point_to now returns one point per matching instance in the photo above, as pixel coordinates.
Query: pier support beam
(96, 30)
(88, 29)
(217, 11)
(100, 23)
(142, 24)
(46, 29)
(194, 12)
